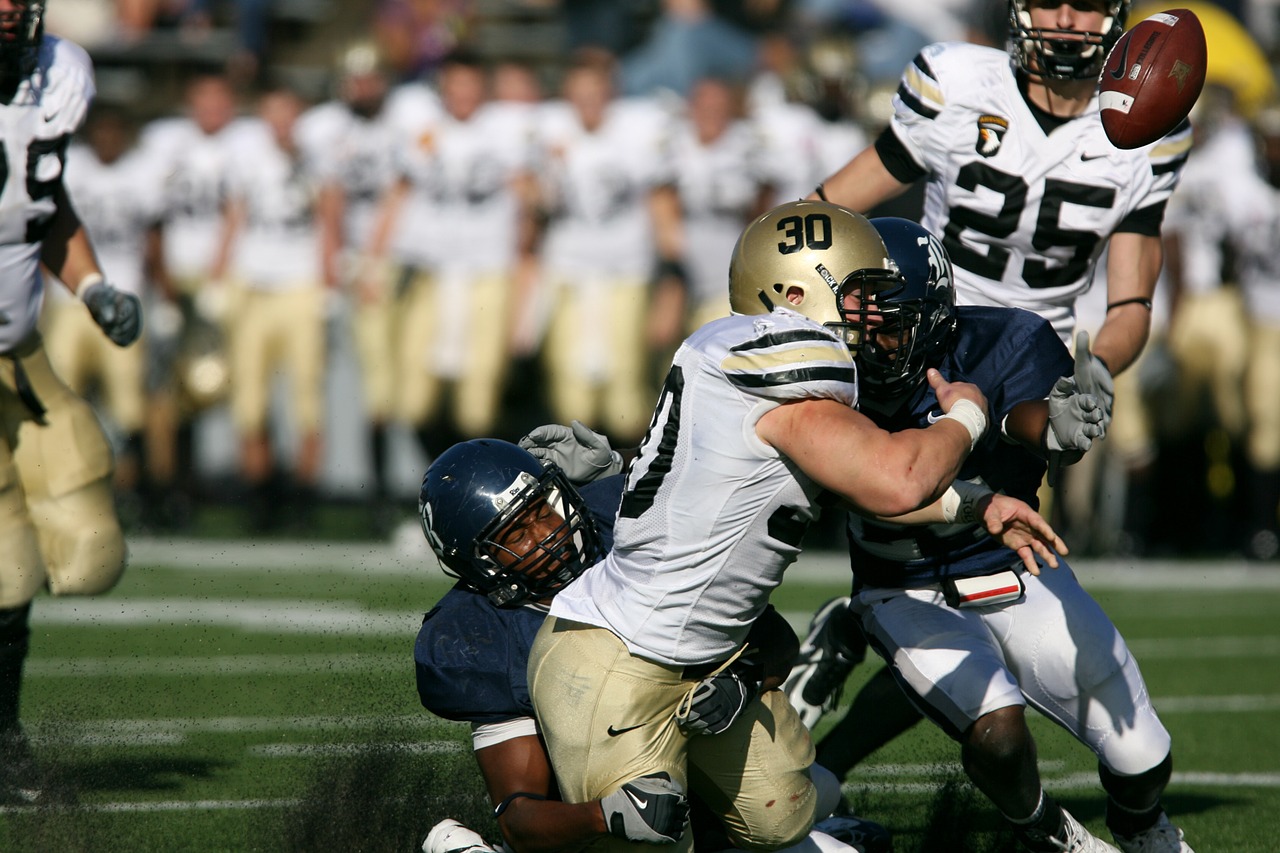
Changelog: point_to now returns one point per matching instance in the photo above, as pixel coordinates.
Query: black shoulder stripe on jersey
(916, 105)
(791, 336)
(779, 378)
(896, 158)
(1169, 166)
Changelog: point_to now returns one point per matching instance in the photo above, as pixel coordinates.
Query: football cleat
(823, 665)
(863, 836)
(21, 782)
(449, 836)
(1079, 839)
(1163, 837)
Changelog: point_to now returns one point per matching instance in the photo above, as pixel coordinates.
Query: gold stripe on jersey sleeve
(1172, 148)
(923, 86)
(762, 362)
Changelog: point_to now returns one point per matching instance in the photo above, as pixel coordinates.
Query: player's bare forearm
(1133, 265)
(1026, 424)
(66, 250)
(862, 183)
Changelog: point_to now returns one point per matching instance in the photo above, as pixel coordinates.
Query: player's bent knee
(81, 540)
(1134, 741)
(784, 821)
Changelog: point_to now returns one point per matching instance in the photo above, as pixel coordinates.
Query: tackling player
(515, 535)
(1011, 638)
(634, 669)
(57, 518)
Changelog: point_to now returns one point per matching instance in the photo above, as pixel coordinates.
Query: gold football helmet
(805, 255)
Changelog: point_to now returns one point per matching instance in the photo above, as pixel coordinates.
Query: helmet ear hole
(795, 295)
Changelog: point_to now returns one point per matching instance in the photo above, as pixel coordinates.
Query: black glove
(718, 700)
(117, 313)
(651, 809)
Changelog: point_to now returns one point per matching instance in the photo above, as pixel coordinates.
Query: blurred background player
(116, 192)
(353, 142)
(269, 263)
(57, 516)
(605, 188)
(462, 200)
(191, 152)
(722, 186)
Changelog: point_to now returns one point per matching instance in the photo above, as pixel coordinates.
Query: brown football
(1152, 77)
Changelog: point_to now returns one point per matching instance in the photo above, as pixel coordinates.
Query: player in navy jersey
(970, 636)
(515, 535)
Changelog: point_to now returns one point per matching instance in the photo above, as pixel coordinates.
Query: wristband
(502, 806)
(1137, 300)
(971, 417)
(960, 502)
(87, 282)
(821, 192)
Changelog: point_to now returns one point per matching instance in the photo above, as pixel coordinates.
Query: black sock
(1039, 830)
(14, 642)
(378, 448)
(1125, 822)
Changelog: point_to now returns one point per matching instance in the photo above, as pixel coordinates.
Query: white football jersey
(792, 138)
(36, 126)
(118, 203)
(462, 177)
(1202, 210)
(719, 184)
(711, 515)
(1023, 214)
(194, 165)
(278, 245)
(1254, 226)
(598, 183)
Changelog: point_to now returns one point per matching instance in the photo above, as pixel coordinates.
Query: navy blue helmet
(909, 326)
(20, 33)
(503, 524)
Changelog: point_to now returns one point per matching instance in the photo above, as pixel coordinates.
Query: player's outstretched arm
(877, 472)
(1133, 265)
(517, 773)
(1022, 530)
(860, 184)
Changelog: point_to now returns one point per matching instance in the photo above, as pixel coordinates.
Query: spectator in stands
(688, 42)
(416, 35)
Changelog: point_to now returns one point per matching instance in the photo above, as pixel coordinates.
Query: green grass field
(231, 697)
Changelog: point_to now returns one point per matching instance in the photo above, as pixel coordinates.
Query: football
(1152, 78)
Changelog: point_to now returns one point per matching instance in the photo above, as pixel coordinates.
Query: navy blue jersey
(471, 656)
(1014, 356)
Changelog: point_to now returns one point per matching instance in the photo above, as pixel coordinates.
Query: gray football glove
(117, 313)
(582, 454)
(718, 700)
(652, 809)
(1094, 377)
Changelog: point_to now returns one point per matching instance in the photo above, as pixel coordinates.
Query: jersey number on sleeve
(1049, 233)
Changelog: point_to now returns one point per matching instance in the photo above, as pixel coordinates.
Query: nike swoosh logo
(1122, 67)
(1087, 157)
(640, 804)
(615, 732)
(933, 418)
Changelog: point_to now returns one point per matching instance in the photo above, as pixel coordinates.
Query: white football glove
(117, 313)
(651, 809)
(1094, 377)
(582, 454)
(1079, 410)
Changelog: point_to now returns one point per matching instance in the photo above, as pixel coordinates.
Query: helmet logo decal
(827, 277)
(991, 131)
(939, 269)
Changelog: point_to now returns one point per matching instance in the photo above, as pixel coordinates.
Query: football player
(605, 187)
(515, 534)
(1023, 185)
(190, 150)
(352, 142)
(59, 525)
(1013, 638)
(460, 200)
(640, 666)
(116, 192)
(269, 263)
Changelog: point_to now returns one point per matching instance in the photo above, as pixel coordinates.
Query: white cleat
(823, 664)
(1080, 840)
(1164, 837)
(449, 836)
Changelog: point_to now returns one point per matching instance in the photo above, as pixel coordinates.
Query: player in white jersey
(721, 181)
(605, 187)
(458, 201)
(190, 150)
(269, 261)
(58, 526)
(640, 667)
(352, 141)
(116, 192)
(1022, 183)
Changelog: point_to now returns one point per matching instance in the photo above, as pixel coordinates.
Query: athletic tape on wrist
(960, 502)
(971, 417)
(87, 282)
